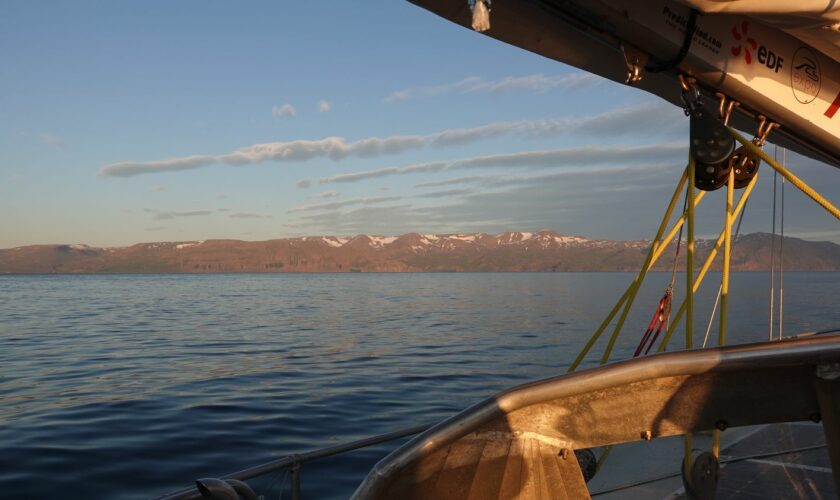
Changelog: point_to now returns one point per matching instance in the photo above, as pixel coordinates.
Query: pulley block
(711, 144)
(711, 177)
(745, 165)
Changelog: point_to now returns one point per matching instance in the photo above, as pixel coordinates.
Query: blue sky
(125, 122)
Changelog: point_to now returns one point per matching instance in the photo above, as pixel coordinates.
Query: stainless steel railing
(294, 462)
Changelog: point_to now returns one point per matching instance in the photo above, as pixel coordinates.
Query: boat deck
(659, 397)
(494, 466)
(754, 465)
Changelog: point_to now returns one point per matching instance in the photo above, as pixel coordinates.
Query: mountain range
(473, 252)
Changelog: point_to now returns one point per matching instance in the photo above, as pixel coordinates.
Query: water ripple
(130, 386)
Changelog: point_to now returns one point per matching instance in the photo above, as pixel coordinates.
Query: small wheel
(705, 470)
(587, 462)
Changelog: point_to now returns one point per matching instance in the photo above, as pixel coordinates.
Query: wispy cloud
(158, 189)
(385, 219)
(249, 215)
(647, 119)
(166, 215)
(52, 140)
(572, 200)
(474, 84)
(304, 184)
(529, 159)
(328, 194)
(335, 148)
(324, 106)
(446, 193)
(283, 111)
(453, 181)
(433, 166)
(341, 204)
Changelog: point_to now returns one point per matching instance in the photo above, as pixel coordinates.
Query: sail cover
(815, 22)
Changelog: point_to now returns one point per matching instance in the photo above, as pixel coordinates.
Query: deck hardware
(828, 371)
(587, 462)
(646, 435)
(685, 47)
(710, 143)
(633, 62)
(827, 385)
(815, 417)
(727, 105)
(564, 453)
(721, 425)
(295, 469)
(746, 163)
(480, 14)
(701, 481)
(215, 489)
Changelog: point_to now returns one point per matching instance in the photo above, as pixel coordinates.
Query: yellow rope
(787, 174)
(658, 250)
(724, 283)
(727, 256)
(637, 283)
(689, 258)
(689, 290)
(653, 255)
(687, 447)
(706, 265)
(692, 284)
(599, 331)
(677, 225)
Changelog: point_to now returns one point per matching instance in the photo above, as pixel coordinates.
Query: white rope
(720, 288)
(782, 249)
(773, 245)
(712, 317)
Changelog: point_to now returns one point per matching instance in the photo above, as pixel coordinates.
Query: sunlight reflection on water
(130, 386)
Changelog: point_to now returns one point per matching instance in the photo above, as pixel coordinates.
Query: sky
(127, 122)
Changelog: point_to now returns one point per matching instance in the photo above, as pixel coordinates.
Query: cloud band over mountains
(534, 159)
(646, 117)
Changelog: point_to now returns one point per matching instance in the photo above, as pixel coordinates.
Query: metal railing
(294, 462)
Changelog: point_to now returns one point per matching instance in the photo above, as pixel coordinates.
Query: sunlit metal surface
(663, 395)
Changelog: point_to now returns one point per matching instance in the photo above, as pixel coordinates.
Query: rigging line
(773, 245)
(705, 267)
(282, 478)
(679, 241)
(712, 316)
(787, 174)
(630, 294)
(662, 316)
(673, 273)
(782, 248)
(720, 288)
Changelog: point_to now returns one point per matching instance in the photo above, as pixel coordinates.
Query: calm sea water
(131, 386)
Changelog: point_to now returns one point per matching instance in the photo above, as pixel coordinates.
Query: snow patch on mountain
(334, 241)
(188, 244)
(381, 241)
